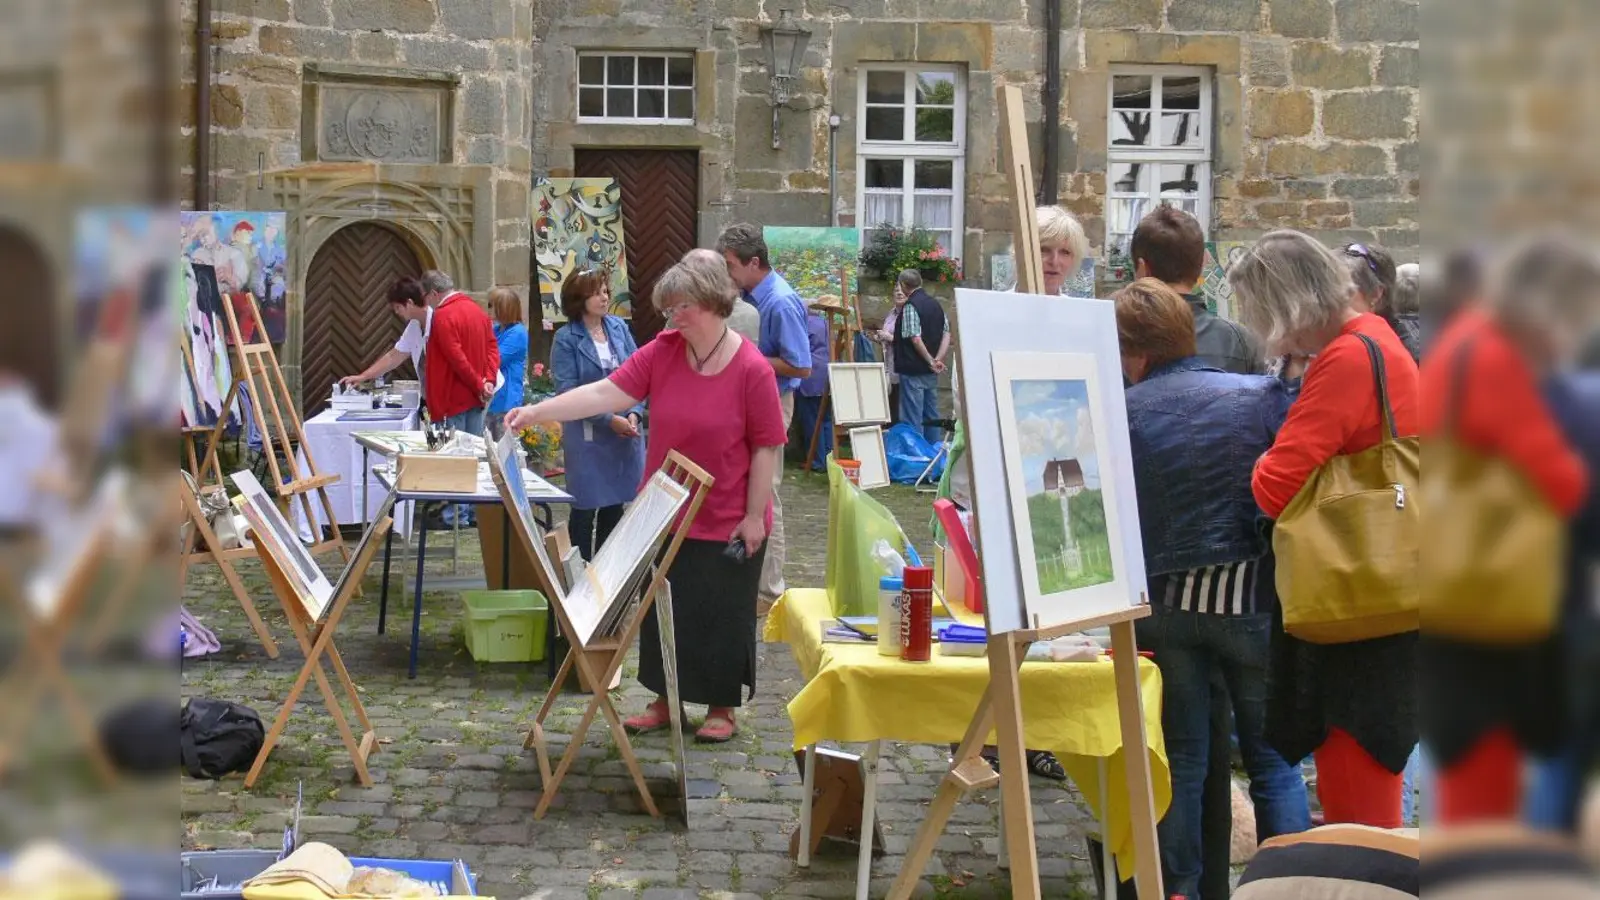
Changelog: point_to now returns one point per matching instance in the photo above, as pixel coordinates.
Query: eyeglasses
(1360, 251)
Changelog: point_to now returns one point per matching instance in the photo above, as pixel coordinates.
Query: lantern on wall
(785, 45)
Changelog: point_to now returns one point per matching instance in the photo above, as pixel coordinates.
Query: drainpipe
(202, 93)
(833, 170)
(1048, 176)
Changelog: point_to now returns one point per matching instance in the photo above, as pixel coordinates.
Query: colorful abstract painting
(209, 374)
(577, 225)
(122, 286)
(817, 262)
(1214, 277)
(250, 253)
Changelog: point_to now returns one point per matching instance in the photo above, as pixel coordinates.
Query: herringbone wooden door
(348, 324)
(29, 336)
(660, 216)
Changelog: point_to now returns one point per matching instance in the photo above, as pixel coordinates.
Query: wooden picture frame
(860, 393)
(311, 585)
(866, 446)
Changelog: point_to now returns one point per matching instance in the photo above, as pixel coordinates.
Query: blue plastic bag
(909, 454)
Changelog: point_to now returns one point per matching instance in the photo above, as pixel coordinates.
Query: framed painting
(866, 445)
(1047, 432)
(273, 534)
(577, 226)
(1069, 544)
(860, 393)
(817, 262)
(249, 251)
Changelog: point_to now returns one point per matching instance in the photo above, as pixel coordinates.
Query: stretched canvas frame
(866, 445)
(860, 393)
(1051, 414)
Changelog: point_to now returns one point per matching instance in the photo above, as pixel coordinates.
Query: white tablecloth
(338, 454)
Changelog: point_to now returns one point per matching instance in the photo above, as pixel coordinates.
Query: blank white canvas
(860, 393)
(866, 445)
(991, 322)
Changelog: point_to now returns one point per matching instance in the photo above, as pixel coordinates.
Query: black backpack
(219, 737)
(139, 736)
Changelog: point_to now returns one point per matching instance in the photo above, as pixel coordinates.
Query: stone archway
(30, 340)
(347, 318)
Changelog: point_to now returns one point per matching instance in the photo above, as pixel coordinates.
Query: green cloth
(856, 521)
(958, 453)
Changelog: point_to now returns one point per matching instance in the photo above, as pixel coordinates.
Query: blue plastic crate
(233, 867)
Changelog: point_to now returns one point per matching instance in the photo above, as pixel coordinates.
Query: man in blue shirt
(808, 397)
(785, 345)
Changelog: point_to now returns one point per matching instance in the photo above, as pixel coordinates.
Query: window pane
(936, 89)
(1129, 178)
(652, 70)
(591, 70)
(885, 173)
(591, 102)
(619, 103)
(619, 70)
(1131, 92)
(936, 124)
(1180, 129)
(652, 103)
(934, 211)
(1180, 179)
(680, 104)
(882, 209)
(1123, 214)
(1130, 128)
(886, 87)
(943, 239)
(934, 174)
(886, 123)
(1180, 93)
(680, 71)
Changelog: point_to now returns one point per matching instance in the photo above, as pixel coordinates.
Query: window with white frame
(637, 88)
(911, 150)
(1160, 147)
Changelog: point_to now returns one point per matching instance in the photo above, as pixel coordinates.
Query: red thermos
(916, 615)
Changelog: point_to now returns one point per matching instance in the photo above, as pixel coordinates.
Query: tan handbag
(1347, 545)
(1493, 573)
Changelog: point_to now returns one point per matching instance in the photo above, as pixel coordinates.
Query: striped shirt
(1224, 590)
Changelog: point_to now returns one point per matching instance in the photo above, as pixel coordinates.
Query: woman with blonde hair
(1354, 705)
(713, 399)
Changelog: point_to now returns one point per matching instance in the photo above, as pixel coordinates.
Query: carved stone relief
(386, 125)
(27, 116)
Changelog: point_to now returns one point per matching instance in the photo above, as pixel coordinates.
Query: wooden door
(660, 216)
(30, 339)
(348, 324)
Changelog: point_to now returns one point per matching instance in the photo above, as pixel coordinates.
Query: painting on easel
(249, 252)
(310, 583)
(817, 262)
(209, 373)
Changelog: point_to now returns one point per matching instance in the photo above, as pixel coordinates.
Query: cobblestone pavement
(452, 779)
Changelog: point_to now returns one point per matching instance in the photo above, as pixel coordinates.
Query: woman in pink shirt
(712, 398)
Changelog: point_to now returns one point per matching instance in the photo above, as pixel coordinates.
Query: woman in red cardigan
(1485, 707)
(1353, 705)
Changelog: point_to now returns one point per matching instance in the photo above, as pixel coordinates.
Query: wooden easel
(269, 393)
(38, 669)
(316, 641)
(599, 660)
(844, 323)
(1001, 707)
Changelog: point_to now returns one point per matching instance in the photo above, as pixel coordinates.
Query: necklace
(700, 361)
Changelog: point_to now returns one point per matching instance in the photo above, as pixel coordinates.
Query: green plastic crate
(505, 626)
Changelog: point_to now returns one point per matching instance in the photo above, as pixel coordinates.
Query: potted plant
(892, 250)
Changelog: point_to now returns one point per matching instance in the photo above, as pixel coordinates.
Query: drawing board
(860, 393)
(598, 600)
(866, 445)
(505, 470)
(994, 325)
(269, 527)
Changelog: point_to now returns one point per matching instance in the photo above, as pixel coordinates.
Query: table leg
(1108, 858)
(416, 609)
(808, 795)
(383, 593)
(366, 487)
(548, 517)
(869, 807)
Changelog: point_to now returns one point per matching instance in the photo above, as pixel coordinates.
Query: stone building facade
(434, 119)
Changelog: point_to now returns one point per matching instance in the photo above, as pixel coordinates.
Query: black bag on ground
(219, 737)
(138, 737)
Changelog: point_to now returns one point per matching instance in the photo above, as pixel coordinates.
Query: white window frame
(1200, 156)
(909, 151)
(636, 55)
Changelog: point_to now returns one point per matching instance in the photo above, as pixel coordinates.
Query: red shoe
(655, 717)
(718, 728)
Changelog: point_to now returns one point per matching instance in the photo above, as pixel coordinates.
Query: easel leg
(1016, 809)
(808, 793)
(550, 697)
(574, 743)
(869, 808)
(1108, 858)
(944, 803)
(202, 527)
(1136, 759)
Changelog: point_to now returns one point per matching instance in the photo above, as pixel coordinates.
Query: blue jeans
(806, 410)
(1189, 647)
(470, 421)
(919, 402)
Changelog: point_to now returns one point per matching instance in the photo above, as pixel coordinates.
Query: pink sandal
(719, 727)
(656, 717)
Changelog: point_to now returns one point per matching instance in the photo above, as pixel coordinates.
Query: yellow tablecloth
(853, 695)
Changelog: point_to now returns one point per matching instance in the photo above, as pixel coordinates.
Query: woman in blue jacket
(512, 337)
(604, 454)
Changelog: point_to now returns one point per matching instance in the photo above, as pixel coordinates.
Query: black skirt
(1469, 690)
(714, 618)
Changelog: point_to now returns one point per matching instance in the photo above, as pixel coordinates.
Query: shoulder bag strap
(1458, 384)
(1380, 374)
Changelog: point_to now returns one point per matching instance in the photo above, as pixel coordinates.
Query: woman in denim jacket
(1196, 432)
